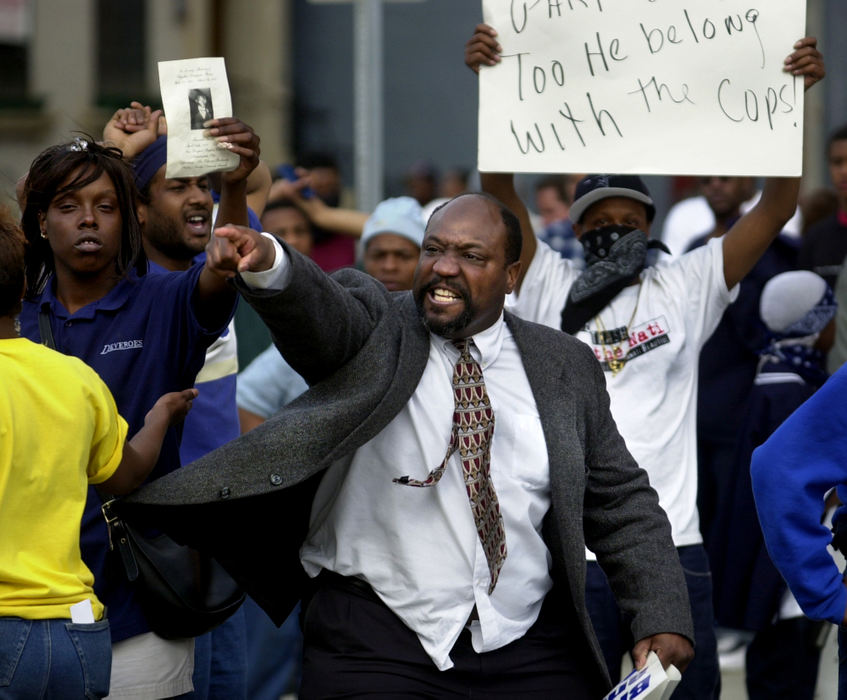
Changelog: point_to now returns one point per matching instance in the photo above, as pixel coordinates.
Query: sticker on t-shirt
(615, 346)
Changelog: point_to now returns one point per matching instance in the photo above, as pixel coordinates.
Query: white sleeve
(275, 277)
(698, 278)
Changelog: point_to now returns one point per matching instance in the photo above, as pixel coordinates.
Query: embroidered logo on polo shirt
(123, 345)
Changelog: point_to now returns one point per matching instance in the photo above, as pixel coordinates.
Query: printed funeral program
(195, 90)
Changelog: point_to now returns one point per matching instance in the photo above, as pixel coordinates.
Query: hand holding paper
(482, 48)
(650, 682)
(670, 648)
(238, 138)
(806, 61)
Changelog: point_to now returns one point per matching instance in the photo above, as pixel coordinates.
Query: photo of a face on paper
(200, 106)
(195, 90)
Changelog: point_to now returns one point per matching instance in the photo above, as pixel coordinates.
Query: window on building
(121, 52)
(15, 36)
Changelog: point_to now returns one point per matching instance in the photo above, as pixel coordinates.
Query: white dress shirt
(418, 548)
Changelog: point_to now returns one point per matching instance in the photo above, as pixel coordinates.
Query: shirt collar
(486, 344)
(113, 301)
(198, 259)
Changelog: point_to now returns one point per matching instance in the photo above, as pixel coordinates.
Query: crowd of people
(472, 450)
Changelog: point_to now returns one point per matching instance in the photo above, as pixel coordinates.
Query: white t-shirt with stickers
(656, 330)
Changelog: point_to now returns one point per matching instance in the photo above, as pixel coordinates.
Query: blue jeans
(701, 679)
(220, 661)
(274, 654)
(54, 659)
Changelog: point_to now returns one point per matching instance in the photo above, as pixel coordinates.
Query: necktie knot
(463, 345)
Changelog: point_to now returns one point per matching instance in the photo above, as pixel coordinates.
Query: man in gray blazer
(430, 575)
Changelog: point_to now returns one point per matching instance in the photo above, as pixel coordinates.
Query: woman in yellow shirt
(59, 432)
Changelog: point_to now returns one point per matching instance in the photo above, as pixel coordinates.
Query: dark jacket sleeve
(318, 322)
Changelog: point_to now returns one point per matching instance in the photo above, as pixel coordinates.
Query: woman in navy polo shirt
(145, 335)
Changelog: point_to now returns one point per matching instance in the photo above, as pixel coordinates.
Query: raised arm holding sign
(646, 326)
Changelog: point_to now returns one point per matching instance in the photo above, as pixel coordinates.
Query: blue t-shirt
(144, 340)
(213, 420)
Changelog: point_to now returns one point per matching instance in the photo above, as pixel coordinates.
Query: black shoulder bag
(182, 592)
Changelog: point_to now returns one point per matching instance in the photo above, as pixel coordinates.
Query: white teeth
(196, 219)
(444, 295)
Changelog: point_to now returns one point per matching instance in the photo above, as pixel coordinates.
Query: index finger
(189, 394)
(229, 232)
(225, 122)
(804, 47)
(806, 41)
(483, 28)
(236, 128)
(639, 653)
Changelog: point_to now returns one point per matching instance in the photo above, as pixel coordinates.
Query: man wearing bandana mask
(646, 326)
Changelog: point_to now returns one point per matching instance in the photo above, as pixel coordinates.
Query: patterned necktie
(473, 427)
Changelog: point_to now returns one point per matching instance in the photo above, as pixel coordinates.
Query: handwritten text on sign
(643, 86)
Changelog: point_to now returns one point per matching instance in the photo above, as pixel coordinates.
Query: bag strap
(119, 539)
(45, 330)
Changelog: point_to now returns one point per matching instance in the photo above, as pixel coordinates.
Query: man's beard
(165, 236)
(446, 329)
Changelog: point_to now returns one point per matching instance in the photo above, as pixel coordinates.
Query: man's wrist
(276, 276)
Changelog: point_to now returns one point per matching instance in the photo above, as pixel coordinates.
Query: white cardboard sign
(643, 86)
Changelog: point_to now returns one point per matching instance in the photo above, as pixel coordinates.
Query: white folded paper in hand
(195, 90)
(650, 683)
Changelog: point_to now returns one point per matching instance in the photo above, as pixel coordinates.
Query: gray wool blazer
(363, 351)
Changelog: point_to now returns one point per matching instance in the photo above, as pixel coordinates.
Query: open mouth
(198, 224)
(88, 244)
(443, 296)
